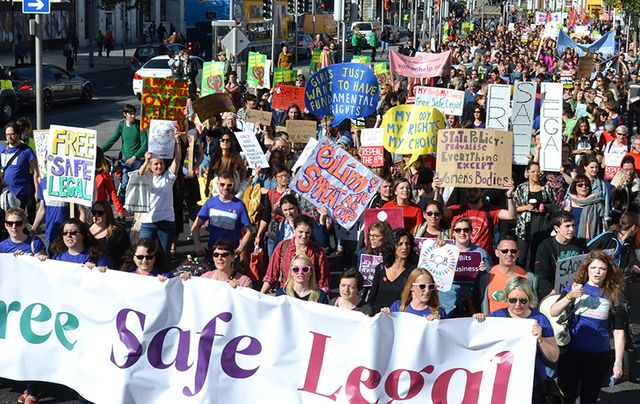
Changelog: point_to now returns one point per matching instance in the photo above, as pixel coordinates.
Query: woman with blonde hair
(419, 296)
(301, 282)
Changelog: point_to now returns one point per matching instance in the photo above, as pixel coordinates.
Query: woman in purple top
(148, 259)
(419, 297)
(76, 244)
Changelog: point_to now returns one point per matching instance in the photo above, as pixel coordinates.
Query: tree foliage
(631, 6)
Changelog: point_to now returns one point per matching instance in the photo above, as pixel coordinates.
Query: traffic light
(291, 6)
(301, 4)
(266, 9)
(347, 10)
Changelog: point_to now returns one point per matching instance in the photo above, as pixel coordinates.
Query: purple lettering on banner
(368, 264)
(228, 361)
(156, 346)
(468, 266)
(128, 338)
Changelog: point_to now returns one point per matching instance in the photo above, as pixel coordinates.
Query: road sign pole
(38, 36)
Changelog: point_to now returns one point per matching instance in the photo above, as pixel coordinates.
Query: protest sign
(300, 131)
(468, 267)
(566, 270)
(212, 104)
(634, 93)
(411, 129)
(474, 158)
(164, 98)
(71, 164)
(367, 268)
(392, 216)
(551, 127)
(524, 100)
(284, 76)
(285, 96)
(381, 71)
(540, 17)
(566, 78)
(423, 66)
(498, 106)
(306, 153)
(162, 141)
(366, 60)
(440, 261)
(344, 90)
(316, 61)
(201, 341)
(212, 78)
(447, 101)
(257, 70)
(371, 150)
(333, 179)
(259, 117)
(41, 140)
(251, 147)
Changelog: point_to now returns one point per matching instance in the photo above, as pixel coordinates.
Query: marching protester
(419, 296)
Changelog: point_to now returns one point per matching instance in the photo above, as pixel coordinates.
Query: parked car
(8, 99)
(58, 86)
(159, 67)
(144, 53)
(305, 42)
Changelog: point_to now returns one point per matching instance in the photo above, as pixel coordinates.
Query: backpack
(252, 199)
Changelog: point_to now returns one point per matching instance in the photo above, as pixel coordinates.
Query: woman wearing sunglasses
(75, 243)
(112, 237)
(419, 297)
(223, 257)
(19, 242)
(301, 282)
(521, 299)
(433, 219)
(147, 258)
(586, 206)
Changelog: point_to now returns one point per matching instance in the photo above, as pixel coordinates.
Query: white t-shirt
(161, 199)
(613, 155)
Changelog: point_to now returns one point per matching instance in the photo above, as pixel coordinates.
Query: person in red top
(402, 199)
(635, 151)
(286, 250)
(104, 184)
(484, 218)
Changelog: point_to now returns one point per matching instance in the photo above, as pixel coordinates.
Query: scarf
(591, 216)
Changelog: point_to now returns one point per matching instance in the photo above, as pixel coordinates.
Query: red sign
(284, 96)
(393, 216)
(372, 156)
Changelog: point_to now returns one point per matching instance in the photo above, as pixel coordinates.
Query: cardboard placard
(474, 158)
(259, 117)
(212, 104)
(41, 140)
(300, 131)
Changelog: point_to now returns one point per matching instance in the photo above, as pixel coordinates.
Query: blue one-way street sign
(36, 6)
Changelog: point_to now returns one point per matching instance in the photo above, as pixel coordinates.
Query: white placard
(306, 152)
(41, 140)
(161, 138)
(498, 106)
(551, 127)
(524, 100)
(447, 101)
(251, 147)
(440, 261)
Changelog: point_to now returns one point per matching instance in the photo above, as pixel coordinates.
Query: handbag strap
(14, 156)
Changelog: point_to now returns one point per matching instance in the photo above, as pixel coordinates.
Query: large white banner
(524, 100)
(551, 127)
(498, 106)
(124, 338)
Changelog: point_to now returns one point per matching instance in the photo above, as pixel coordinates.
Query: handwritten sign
(345, 90)
(333, 179)
(440, 261)
(213, 104)
(71, 164)
(566, 270)
(41, 140)
(551, 127)
(474, 158)
(411, 129)
(316, 61)
(251, 147)
(468, 267)
(368, 264)
(259, 117)
(257, 70)
(300, 131)
(498, 106)
(284, 76)
(164, 98)
(425, 65)
(524, 99)
(162, 141)
(371, 149)
(447, 101)
(285, 96)
(212, 78)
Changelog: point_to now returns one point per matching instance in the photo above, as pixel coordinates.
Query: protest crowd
(334, 193)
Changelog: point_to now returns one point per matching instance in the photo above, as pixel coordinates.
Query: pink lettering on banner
(423, 66)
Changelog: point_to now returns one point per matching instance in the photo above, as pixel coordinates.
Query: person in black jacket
(621, 239)
(560, 246)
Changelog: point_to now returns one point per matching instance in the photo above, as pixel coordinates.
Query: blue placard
(345, 90)
(36, 6)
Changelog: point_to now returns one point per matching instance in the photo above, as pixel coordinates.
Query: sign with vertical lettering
(551, 127)
(524, 100)
(498, 106)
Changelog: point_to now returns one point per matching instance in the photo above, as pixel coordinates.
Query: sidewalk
(100, 63)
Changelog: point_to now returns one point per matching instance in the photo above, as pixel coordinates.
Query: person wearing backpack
(134, 145)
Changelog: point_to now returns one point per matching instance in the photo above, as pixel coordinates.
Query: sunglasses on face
(221, 254)
(97, 212)
(582, 185)
(226, 184)
(305, 269)
(462, 230)
(509, 250)
(17, 223)
(522, 300)
(148, 257)
(225, 140)
(71, 233)
(433, 213)
(423, 286)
